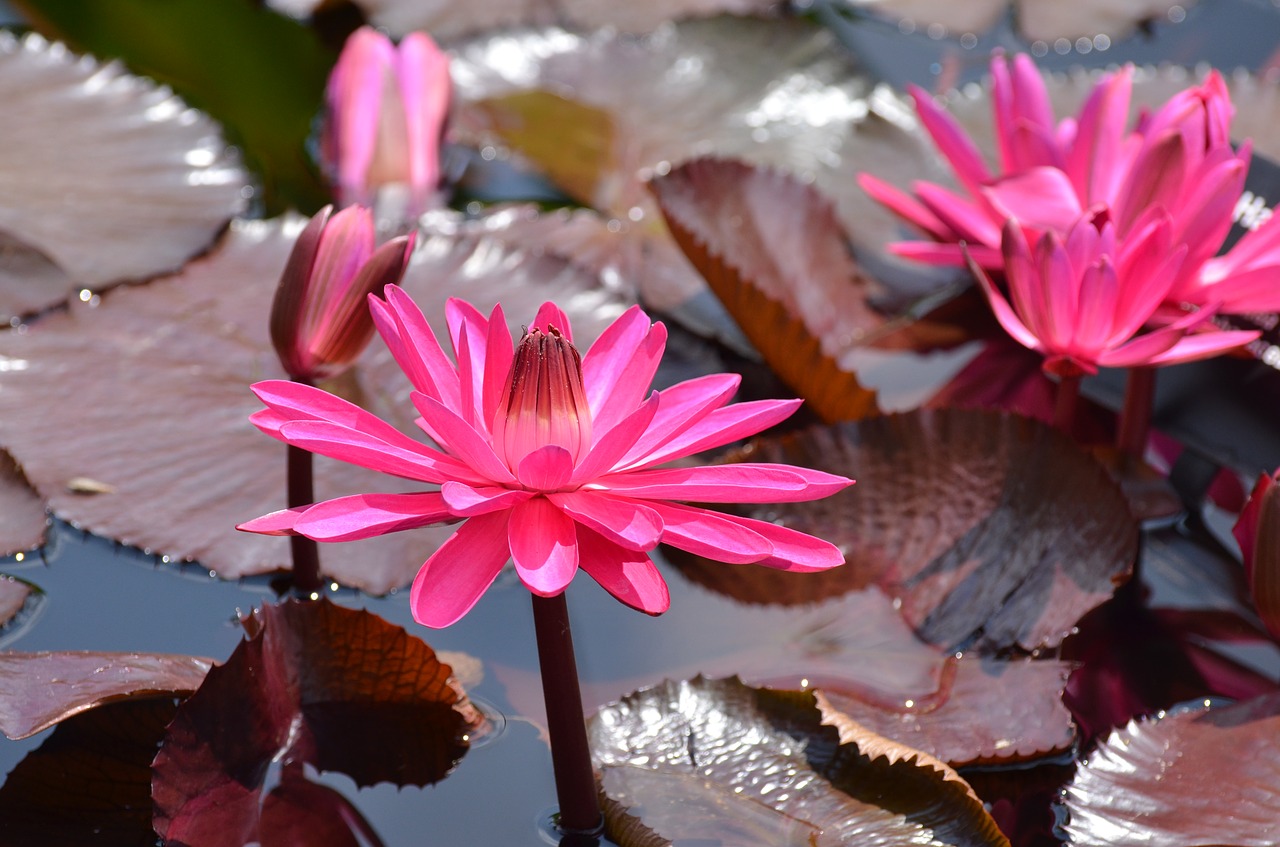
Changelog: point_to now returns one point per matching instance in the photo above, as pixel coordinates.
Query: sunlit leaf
(774, 93)
(38, 690)
(335, 688)
(1042, 20)
(153, 400)
(1195, 777)
(994, 530)
(989, 711)
(89, 782)
(716, 759)
(108, 177)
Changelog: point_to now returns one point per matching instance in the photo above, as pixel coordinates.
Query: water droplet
(1039, 48)
(968, 41)
(1177, 14)
(85, 295)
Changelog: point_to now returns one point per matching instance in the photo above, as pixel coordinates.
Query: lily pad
(38, 690)
(1201, 776)
(190, 346)
(600, 113)
(1037, 20)
(716, 759)
(298, 811)
(108, 176)
(995, 531)
(336, 688)
(90, 781)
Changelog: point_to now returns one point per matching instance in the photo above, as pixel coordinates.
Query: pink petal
(743, 482)
(366, 515)
(952, 141)
(423, 74)
(628, 575)
(414, 345)
(544, 546)
(358, 448)
(1042, 198)
(711, 534)
(682, 406)
(1099, 289)
(550, 315)
(276, 523)
(904, 206)
(606, 452)
(1004, 313)
(498, 357)
(968, 221)
(720, 427)
(470, 333)
(947, 255)
(452, 580)
(355, 99)
(618, 369)
(1201, 345)
(1093, 160)
(461, 439)
(295, 401)
(1242, 293)
(546, 468)
(467, 501)
(627, 523)
(793, 550)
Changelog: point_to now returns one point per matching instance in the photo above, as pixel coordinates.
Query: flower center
(545, 403)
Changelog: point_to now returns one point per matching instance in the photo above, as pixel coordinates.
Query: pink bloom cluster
(550, 458)
(385, 119)
(1175, 172)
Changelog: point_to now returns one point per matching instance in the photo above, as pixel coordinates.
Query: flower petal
(546, 468)
(606, 452)
(414, 345)
(276, 523)
(470, 333)
(683, 405)
(719, 428)
(743, 482)
(498, 356)
(359, 448)
(618, 369)
(452, 580)
(1040, 197)
(467, 500)
(628, 575)
(904, 206)
(711, 534)
(550, 315)
(544, 546)
(461, 439)
(627, 523)
(366, 515)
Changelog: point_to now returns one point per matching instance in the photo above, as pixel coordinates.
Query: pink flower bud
(545, 403)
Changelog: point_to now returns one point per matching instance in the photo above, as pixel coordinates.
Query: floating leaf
(336, 688)
(1202, 776)
(994, 530)
(190, 346)
(991, 711)
(15, 596)
(298, 811)
(38, 690)
(108, 176)
(90, 781)
(774, 93)
(716, 759)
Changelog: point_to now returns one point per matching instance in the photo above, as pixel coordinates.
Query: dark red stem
(1135, 417)
(570, 755)
(306, 556)
(1064, 410)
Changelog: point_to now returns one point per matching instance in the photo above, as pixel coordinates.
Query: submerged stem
(570, 755)
(1064, 410)
(1135, 417)
(306, 555)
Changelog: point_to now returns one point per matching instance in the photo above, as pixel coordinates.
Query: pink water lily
(1081, 300)
(1050, 173)
(550, 458)
(386, 111)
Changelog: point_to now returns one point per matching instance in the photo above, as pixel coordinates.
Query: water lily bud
(545, 402)
(386, 112)
(320, 318)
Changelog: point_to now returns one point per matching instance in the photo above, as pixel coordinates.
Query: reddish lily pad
(993, 530)
(192, 345)
(1202, 776)
(594, 112)
(717, 759)
(298, 811)
(108, 176)
(38, 690)
(989, 712)
(90, 781)
(23, 520)
(336, 688)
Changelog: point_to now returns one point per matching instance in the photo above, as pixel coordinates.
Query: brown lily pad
(995, 531)
(298, 811)
(108, 176)
(191, 345)
(989, 712)
(38, 690)
(1201, 776)
(335, 688)
(716, 759)
(774, 93)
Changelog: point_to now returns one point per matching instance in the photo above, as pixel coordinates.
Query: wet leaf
(716, 759)
(995, 531)
(23, 520)
(335, 688)
(38, 690)
(298, 811)
(774, 93)
(108, 176)
(988, 711)
(15, 595)
(186, 349)
(1195, 777)
(89, 783)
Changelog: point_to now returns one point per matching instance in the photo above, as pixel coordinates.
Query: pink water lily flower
(386, 111)
(551, 460)
(1081, 300)
(1050, 173)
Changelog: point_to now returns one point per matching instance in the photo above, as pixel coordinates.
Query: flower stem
(1135, 417)
(1064, 410)
(306, 555)
(570, 755)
